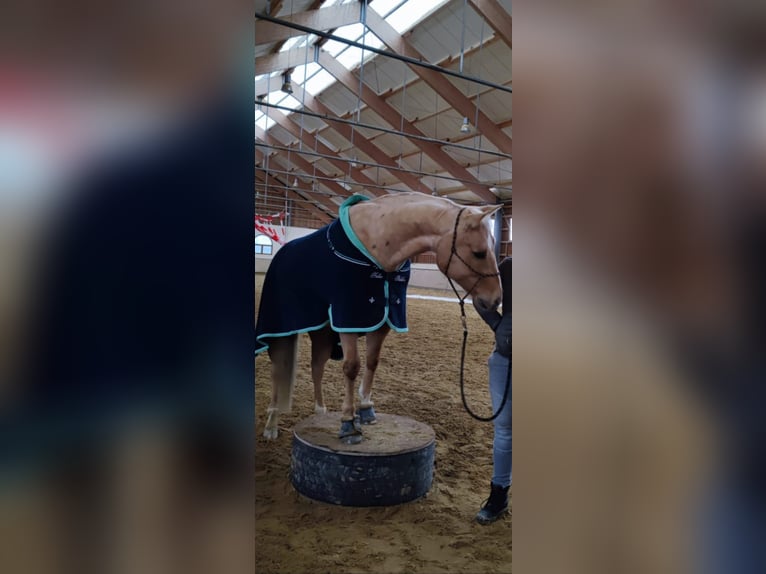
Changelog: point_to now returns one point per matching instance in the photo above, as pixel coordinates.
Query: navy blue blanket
(328, 277)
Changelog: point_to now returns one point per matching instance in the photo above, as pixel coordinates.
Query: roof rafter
(263, 86)
(307, 138)
(394, 118)
(322, 19)
(307, 203)
(496, 16)
(454, 97)
(307, 168)
(320, 198)
(359, 140)
(283, 60)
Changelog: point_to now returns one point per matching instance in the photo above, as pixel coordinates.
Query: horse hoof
(352, 439)
(350, 432)
(271, 434)
(367, 415)
(320, 409)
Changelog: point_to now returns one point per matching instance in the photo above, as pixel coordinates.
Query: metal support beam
(454, 97)
(333, 157)
(496, 16)
(332, 119)
(394, 118)
(359, 140)
(307, 168)
(269, 29)
(389, 54)
(320, 199)
(264, 176)
(293, 148)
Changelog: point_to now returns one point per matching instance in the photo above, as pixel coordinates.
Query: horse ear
(487, 210)
(478, 214)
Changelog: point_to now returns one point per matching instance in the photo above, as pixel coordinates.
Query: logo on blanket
(376, 275)
(400, 278)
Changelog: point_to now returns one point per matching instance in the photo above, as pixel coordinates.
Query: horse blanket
(329, 277)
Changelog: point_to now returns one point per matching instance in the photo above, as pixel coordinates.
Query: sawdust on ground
(418, 378)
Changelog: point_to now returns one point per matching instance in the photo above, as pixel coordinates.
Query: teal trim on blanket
(345, 221)
(396, 329)
(359, 329)
(286, 334)
(385, 319)
(388, 320)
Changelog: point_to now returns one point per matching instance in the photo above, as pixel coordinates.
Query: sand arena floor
(417, 377)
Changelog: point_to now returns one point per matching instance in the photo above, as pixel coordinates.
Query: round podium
(393, 464)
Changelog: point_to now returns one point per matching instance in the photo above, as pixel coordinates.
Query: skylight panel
(318, 82)
(304, 72)
(291, 43)
(289, 102)
(264, 122)
(350, 57)
(275, 97)
(334, 47)
(350, 32)
(383, 7)
(412, 13)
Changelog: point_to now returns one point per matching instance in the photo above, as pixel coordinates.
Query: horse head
(466, 254)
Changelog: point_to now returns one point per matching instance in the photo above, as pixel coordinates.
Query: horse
(319, 284)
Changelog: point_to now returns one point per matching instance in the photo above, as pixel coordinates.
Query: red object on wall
(265, 224)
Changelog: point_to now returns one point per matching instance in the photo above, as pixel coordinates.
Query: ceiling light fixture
(466, 127)
(287, 86)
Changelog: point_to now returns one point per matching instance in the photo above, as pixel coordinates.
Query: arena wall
(425, 275)
(262, 261)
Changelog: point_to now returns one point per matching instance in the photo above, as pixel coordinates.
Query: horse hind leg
(322, 343)
(374, 346)
(283, 353)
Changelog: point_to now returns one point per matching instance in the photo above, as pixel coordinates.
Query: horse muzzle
(484, 304)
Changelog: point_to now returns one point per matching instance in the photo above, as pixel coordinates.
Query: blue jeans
(501, 453)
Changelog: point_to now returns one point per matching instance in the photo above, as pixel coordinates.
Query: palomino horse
(349, 279)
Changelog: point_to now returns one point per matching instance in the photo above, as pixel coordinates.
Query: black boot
(495, 506)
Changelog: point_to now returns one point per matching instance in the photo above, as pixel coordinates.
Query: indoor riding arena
(379, 98)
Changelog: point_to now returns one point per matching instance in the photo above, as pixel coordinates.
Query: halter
(479, 277)
(453, 252)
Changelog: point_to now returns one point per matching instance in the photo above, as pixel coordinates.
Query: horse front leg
(350, 430)
(374, 346)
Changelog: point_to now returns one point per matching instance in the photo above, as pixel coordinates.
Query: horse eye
(480, 254)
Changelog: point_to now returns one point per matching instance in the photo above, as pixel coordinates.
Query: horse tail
(283, 352)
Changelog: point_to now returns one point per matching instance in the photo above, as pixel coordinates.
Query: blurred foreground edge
(639, 322)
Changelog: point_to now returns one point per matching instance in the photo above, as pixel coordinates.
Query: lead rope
(461, 300)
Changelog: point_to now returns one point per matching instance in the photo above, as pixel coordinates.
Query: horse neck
(396, 231)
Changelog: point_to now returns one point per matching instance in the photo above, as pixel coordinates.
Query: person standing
(499, 373)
